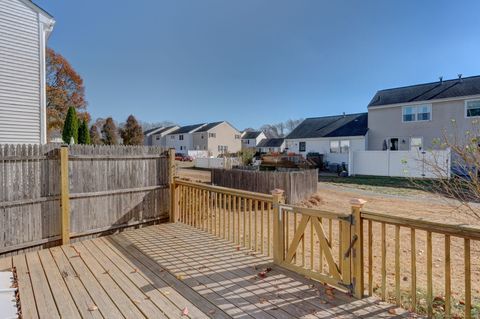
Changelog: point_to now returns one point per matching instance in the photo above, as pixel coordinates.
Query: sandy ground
(413, 204)
(402, 202)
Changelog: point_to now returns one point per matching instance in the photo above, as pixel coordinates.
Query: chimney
(441, 79)
(460, 77)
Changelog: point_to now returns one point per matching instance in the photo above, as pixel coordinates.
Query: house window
(222, 148)
(472, 108)
(213, 135)
(417, 113)
(248, 141)
(334, 146)
(180, 137)
(157, 137)
(237, 137)
(172, 137)
(416, 143)
(344, 146)
(302, 146)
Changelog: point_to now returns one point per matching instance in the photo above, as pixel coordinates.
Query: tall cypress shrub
(70, 126)
(83, 134)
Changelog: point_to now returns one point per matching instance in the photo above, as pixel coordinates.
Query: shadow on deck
(173, 271)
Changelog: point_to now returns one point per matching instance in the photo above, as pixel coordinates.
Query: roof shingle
(331, 126)
(428, 91)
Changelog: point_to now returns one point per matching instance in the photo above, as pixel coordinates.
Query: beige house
(217, 138)
(413, 117)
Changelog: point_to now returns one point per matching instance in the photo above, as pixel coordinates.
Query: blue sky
(258, 61)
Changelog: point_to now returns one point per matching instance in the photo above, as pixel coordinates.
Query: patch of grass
(379, 181)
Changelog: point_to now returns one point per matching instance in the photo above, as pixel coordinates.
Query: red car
(183, 158)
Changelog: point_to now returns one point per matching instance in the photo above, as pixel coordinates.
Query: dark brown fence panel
(111, 187)
(298, 185)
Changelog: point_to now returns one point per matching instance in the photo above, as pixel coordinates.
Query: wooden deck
(173, 271)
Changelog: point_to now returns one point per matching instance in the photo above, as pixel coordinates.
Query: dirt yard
(414, 204)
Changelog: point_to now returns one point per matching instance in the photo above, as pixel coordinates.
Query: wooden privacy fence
(82, 190)
(357, 251)
(297, 185)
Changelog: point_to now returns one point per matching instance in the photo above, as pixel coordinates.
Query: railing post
(64, 195)
(358, 280)
(278, 229)
(171, 181)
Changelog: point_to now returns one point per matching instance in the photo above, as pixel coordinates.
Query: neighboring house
(217, 138)
(271, 145)
(181, 139)
(412, 117)
(250, 139)
(332, 136)
(158, 136)
(24, 30)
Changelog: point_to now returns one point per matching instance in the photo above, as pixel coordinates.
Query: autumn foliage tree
(132, 133)
(65, 89)
(109, 132)
(95, 137)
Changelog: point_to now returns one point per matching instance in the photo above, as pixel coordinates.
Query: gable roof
(428, 91)
(271, 142)
(251, 135)
(332, 126)
(187, 129)
(208, 126)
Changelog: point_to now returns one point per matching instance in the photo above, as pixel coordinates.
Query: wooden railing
(239, 216)
(341, 249)
(411, 237)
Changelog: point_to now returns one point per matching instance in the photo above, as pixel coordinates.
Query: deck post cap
(277, 191)
(357, 202)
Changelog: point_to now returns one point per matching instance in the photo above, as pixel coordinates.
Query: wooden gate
(325, 246)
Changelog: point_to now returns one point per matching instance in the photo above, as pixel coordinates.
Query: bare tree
(464, 185)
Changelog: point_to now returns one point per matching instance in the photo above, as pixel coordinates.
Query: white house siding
(322, 146)
(20, 93)
(181, 146)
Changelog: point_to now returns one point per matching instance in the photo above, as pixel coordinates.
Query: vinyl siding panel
(19, 73)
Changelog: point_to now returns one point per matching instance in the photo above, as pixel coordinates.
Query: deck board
(172, 271)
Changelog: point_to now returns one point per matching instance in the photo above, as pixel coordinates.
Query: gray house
(333, 136)
(24, 30)
(158, 136)
(412, 117)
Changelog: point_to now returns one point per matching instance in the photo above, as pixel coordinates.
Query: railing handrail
(226, 190)
(463, 231)
(314, 212)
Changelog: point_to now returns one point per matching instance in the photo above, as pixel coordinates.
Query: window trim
(429, 105)
(304, 148)
(465, 108)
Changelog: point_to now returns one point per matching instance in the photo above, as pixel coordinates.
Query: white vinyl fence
(227, 163)
(198, 154)
(415, 163)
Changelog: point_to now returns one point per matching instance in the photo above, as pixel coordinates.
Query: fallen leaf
(134, 270)
(262, 274)
(392, 311)
(92, 308)
(185, 312)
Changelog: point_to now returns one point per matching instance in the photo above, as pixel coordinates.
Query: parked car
(183, 157)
